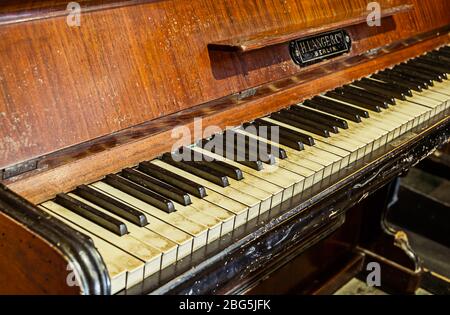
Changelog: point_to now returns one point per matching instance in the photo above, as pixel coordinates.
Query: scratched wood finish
(13, 11)
(343, 19)
(62, 86)
(106, 157)
(29, 264)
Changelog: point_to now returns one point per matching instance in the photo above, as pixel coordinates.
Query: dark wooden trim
(52, 235)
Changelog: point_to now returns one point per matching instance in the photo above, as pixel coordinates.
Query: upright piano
(213, 147)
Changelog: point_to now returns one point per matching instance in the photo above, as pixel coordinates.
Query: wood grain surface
(29, 264)
(110, 154)
(61, 86)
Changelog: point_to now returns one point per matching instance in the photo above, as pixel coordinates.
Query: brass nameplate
(313, 49)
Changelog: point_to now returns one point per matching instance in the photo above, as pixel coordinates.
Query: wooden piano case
(77, 103)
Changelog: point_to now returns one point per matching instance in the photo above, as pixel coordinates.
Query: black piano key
(416, 86)
(157, 186)
(92, 214)
(230, 170)
(140, 192)
(113, 205)
(434, 62)
(244, 160)
(431, 74)
(443, 52)
(390, 86)
(434, 52)
(343, 107)
(266, 152)
(288, 133)
(290, 120)
(432, 67)
(273, 149)
(428, 68)
(220, 166)
(364, 96)
(326, 125)
(173, 179)
(198, 169)
(355, 100)
(328, 109)
(316, 116)
(375, 89)
(436, 59)
(373, 86)
(256, 130)
(435, 56)
(413, 74)
(251, 148)
(378, 97)
(405, 77)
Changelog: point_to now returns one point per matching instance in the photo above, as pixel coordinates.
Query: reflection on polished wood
(128, 65)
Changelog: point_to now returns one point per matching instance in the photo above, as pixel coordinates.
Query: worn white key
(250, 179)
(338, 143)
(199, 233)
(225, 216)
(182, 239)
(369, 129)
(289, 181)
(220, 195)
(168, 248)
(316, 158)
(356, 150)
(288, 164)
(200, 217)
(151, 256)
(124, 270)
(238, 192)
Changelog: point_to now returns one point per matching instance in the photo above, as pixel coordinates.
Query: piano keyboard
(146, 218)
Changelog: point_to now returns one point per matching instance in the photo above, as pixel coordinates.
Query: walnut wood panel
(156, 137)
(62, 86)
(28, 264)
(343, 19)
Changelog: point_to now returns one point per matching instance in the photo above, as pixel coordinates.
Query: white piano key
(167, 248)
(227, 217)
(182, 239)
(124, 270)
(240, 196)
(222, 195)
(288, 181)
(355, 148)
(199, 233)
(151, 256)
